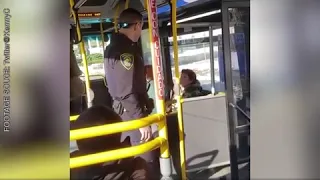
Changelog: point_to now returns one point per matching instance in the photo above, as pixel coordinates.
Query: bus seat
(208, 147)
(100, 90)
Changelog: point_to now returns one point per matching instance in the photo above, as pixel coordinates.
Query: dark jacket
(194, 90)
(127, 169)
(125, 75)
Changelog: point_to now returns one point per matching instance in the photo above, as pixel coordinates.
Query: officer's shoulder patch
(127, 60)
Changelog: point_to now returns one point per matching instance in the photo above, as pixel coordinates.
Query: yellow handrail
(114, 128)
(115, 18)
(73, 118)
(83, 54)
(177, 77)
(116, 154)
(102, 34)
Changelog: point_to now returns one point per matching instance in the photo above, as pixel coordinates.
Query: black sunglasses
(127, 25)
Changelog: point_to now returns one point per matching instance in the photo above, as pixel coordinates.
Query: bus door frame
(230, 101)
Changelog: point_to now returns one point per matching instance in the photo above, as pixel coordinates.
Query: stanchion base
(166, 178)
(166, 169)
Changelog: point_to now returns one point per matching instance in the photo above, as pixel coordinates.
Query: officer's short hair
(128, 17)
(96, 116)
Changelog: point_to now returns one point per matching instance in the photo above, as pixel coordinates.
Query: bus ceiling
(188, 12)
(107, 8)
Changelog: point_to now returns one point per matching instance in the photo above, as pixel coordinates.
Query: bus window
(194, 54)
(94, 52)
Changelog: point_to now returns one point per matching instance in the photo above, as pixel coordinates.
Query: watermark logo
(6, 71)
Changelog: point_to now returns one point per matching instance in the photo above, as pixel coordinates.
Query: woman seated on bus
(191, 86)
(124, 169)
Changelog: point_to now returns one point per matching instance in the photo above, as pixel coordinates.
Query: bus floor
(220, 173)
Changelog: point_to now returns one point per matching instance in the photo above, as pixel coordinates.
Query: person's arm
(125, 68)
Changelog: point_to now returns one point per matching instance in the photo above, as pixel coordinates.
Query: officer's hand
(150, 105)
(146, 133)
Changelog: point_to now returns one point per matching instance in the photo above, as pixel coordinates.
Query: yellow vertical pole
(83, 55)
(165, 163)
(102, 34)
(145, 4)
(115, 17)
(178, 97)
(127, 4)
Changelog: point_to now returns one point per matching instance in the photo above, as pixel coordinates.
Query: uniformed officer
(126, 79)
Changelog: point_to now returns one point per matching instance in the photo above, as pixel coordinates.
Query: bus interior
(214, 41)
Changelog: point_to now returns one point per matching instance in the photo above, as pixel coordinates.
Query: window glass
(94, 51)
(194, 54)
(239, 22)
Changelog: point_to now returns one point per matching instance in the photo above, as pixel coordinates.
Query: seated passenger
(125, 169)
(77, 86)
(191, 86)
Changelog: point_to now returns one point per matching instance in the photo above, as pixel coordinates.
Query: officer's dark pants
(152, 158)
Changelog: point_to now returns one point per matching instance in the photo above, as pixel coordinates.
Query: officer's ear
(135, 26)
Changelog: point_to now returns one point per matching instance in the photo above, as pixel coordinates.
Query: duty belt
(119, 105)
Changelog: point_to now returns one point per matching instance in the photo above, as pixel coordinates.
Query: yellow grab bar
(114, 128)
(179, 103)
(115, 154)
(73, 118)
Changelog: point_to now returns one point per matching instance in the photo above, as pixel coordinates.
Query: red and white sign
(157, 68)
